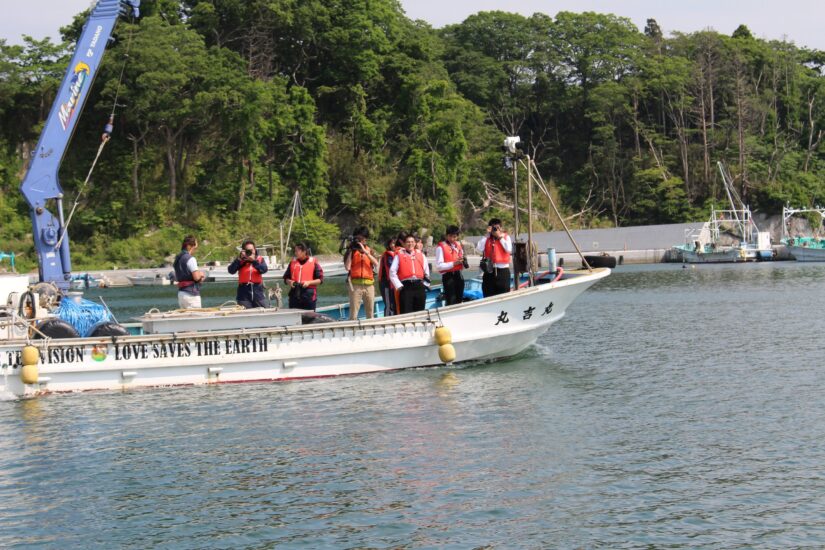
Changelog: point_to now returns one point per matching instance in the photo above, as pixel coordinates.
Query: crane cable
(104, 139)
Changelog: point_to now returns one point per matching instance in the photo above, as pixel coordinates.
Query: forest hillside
(226, 108)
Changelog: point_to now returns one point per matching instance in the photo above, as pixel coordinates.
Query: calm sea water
(671, 407)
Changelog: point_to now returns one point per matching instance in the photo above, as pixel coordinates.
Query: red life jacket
(451, 255)
(360, 266)
(384, 265)
(494, 250)
(302, 273)
(248, 274)
(410, 266)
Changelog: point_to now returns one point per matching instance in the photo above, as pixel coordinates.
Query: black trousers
(413, 297)
(497, 282)
(453, 282)
(388, 295)
(302, 298)
(251, 295)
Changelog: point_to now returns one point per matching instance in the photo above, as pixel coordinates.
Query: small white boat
(196, 347)
(220, 274)
(149, 280)
(83, 281)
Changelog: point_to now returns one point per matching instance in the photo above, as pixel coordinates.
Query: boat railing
(742, 220)
(788, 213)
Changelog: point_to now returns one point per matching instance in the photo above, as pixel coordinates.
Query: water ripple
(669, 408)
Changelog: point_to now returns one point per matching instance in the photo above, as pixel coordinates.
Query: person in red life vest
(302, 276)
(449, 261)
(384, 283)
(408, 270)
(360, 264)
(250, 269)
(496, 247)
(187, 275)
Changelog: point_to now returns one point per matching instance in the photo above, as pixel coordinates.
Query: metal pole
(515, 198)
(516, 273)
(532, 268)
(281, 242)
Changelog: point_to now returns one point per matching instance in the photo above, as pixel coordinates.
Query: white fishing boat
(808, 248)
(54, 341)
(209, 347)
(744, 243)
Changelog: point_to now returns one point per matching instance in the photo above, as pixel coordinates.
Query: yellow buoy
(443, 336)
(29, 374)
(30, 355)
(446, 353)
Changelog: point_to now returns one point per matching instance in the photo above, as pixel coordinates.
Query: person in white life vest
(302, 276)
(450, 261)
(408, 271)
(497, 247)
(250, 268)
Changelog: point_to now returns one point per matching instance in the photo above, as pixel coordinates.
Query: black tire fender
(55, 328)
(109, 329)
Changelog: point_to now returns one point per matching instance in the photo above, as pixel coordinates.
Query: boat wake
(7, 396)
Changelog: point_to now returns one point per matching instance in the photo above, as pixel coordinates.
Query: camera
(512, 144)
(513, 150)
(249, 253)
(296, 284)
(465, 263)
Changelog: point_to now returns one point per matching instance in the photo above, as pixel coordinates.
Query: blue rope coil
(83, 316)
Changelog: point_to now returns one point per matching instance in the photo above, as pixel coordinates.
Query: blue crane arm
(41, 183)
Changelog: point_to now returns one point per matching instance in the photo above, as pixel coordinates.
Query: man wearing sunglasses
(250, 269)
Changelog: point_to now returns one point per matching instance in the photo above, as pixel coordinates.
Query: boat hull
(714, 257)
(492, 328)
(807, 254)
(726, 255)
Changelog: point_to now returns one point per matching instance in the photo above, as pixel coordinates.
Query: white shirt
(506, 243)
(440, 264)
(396, 282)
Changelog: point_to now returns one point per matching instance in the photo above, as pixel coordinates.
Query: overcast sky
(799, 21)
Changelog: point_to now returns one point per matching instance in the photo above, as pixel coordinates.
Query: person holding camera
(360, 263)
(450, 261)
(496, 248)
(408, 271)
(302, 276)
(250, 268)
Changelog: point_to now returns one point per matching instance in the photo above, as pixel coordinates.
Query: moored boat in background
(746, 243)
(803, 249)
(149, 280)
